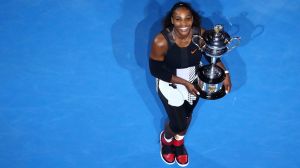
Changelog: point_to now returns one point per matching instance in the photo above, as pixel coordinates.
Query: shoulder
(159, 47)
(160, 40)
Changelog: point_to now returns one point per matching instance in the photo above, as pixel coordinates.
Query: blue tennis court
(76, 91)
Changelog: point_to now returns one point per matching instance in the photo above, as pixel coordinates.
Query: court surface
(76, 92)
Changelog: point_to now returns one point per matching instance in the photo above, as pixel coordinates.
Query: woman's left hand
(227, 83)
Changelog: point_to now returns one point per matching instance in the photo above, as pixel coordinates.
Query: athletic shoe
(181, 154)
(167, 152)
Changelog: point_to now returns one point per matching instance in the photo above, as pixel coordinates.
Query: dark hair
(196, 17)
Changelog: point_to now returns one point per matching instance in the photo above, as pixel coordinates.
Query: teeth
(184, 29)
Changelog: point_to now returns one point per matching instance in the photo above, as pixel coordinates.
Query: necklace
(182, 40)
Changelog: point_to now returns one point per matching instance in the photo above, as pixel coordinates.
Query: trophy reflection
(216, 43)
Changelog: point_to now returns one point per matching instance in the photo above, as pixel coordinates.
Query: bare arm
(227, 81)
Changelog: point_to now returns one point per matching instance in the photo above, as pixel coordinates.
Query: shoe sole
(161, 156)
(182, 165)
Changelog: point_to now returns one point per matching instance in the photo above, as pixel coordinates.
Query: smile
(184, 29)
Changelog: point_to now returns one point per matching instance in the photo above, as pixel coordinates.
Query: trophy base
(216, 95)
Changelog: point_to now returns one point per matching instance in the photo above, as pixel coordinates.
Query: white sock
(168, 140)
(179, 137)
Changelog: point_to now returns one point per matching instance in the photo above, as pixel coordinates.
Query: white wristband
(226, 72)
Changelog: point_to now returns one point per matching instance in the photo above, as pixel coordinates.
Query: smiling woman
(174, 60)
(182, 20)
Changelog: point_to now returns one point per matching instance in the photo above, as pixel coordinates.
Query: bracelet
(226, 72)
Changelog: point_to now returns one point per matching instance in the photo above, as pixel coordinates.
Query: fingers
(227, 89)
(195, 92)
(227, 84)
(191, 88)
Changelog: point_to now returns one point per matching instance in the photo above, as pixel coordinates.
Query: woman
(174, 59)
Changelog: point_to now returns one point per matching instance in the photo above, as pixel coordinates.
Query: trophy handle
(196, 43)
(238, 39)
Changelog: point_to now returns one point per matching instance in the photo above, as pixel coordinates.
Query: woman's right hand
(192, 89)
(189, 86)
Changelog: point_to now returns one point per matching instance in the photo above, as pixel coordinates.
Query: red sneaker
(181, 154)
(166, 150)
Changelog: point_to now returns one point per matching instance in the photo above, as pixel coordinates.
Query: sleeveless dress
(182, 62)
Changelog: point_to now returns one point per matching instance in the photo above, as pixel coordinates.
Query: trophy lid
(218, 28)
(216, 37)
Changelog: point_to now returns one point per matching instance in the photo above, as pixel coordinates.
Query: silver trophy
(215, 43)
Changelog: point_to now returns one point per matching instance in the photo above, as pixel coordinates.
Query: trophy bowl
(210, 84)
